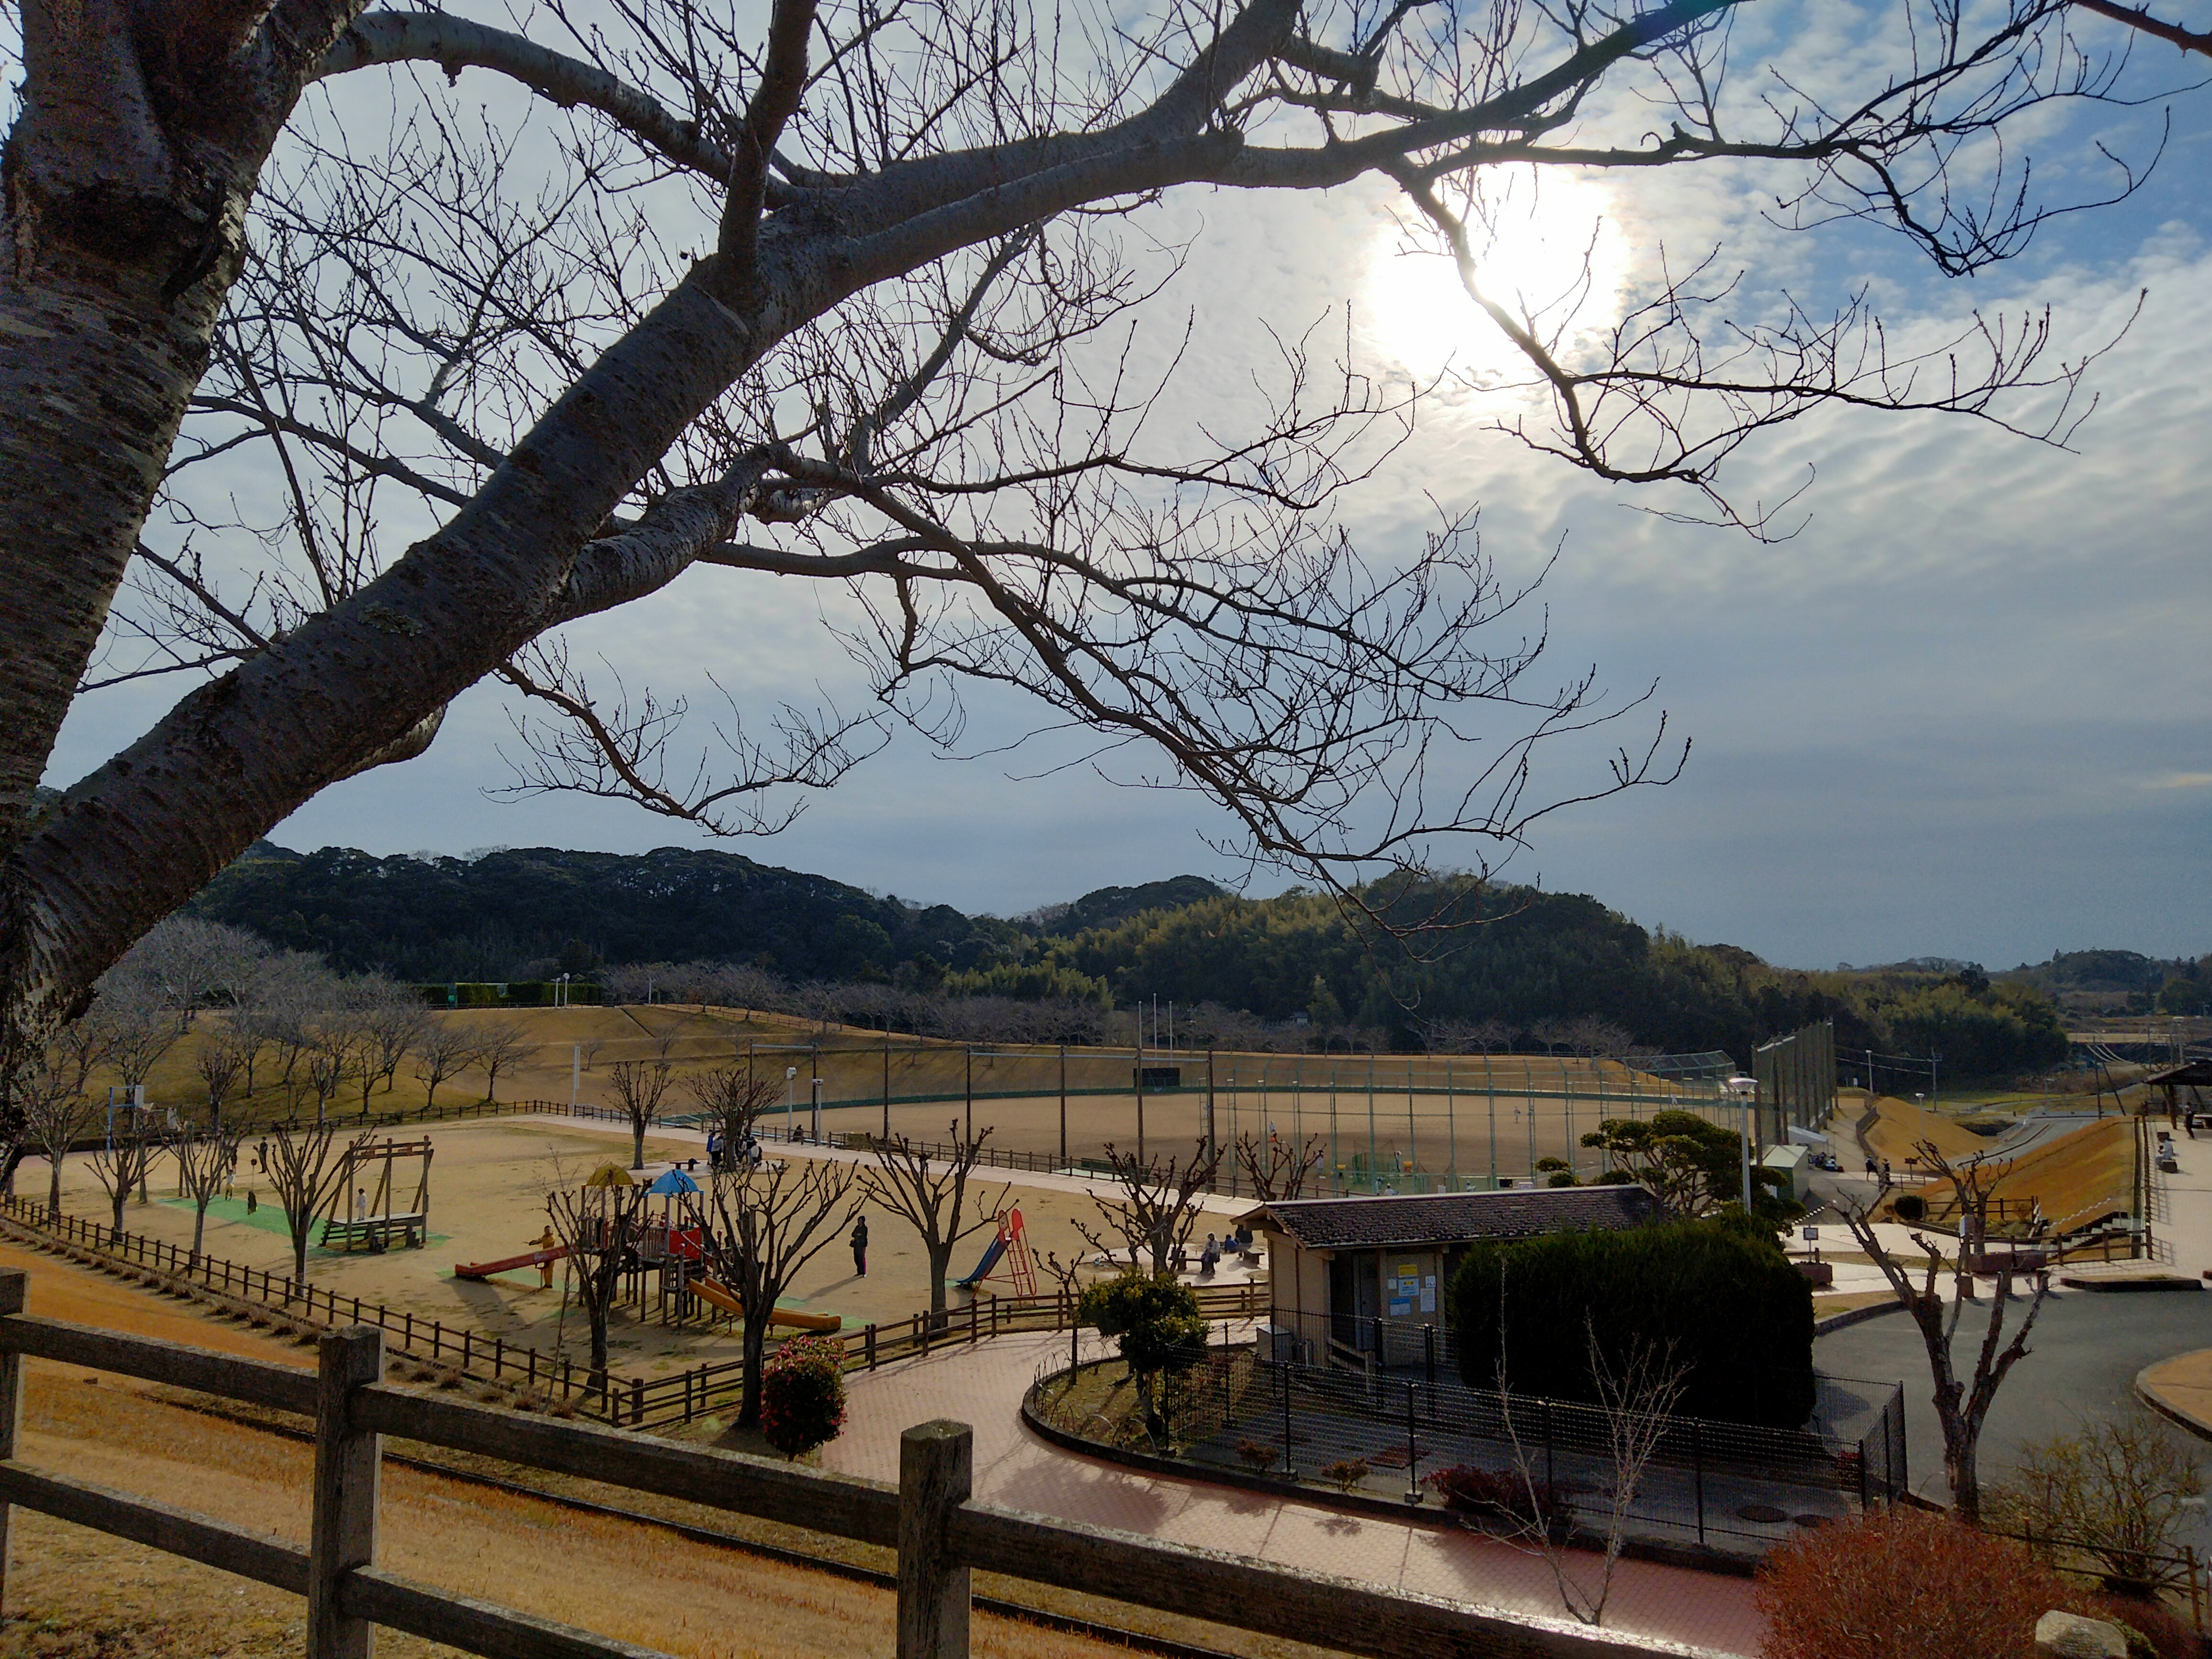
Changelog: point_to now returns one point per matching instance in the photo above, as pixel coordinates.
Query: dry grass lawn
(73, 1594)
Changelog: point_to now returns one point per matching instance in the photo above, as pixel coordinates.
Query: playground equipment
(732, 1303)
(533, 1258)
(369, 1220)
(1011, 1247)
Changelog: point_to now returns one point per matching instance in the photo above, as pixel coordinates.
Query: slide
(730, 1303)
(983, 1268)
(486, 1269)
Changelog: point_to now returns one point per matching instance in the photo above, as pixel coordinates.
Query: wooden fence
(931, 1518)
(630, 1401)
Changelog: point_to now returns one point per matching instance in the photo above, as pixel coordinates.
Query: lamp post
(790, 1078)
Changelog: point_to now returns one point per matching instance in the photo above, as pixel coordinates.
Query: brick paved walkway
(983, 1386)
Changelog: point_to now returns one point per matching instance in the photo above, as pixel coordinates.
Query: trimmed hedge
(1719, 1290)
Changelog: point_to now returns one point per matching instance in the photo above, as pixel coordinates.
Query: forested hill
(1540, 970)
(507, 913)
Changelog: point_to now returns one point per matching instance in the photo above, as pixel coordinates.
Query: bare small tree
(2118, 1494)
(1157, 1208)
(500, 1045)
(207, 1158)
(732, 1100)
(600, 1225)
(301, 1168)
(225, 1057)
(333, 1054)
(761, 1226)
(140, 1026)
(135, 1138)
(1276, 1170)
(639, 1086)
(932, 1194)
(391, 1020)
(1635, 1396)
(587, 1051)
(445, 1049)
(55, 1116)
(1961, 1405)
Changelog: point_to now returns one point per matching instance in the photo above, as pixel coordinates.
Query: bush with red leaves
(1501, 1495)
(1903, 1583)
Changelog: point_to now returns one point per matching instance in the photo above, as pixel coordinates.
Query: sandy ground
(487, 1187)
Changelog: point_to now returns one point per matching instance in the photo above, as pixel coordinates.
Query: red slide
(486, 1269)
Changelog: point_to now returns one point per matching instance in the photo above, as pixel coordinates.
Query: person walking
(860, 1246)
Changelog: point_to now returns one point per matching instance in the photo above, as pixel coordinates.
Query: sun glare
(1546, 248)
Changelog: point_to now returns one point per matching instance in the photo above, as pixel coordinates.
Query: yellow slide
(731, 1303)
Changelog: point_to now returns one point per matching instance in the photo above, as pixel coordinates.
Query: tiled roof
(1334, 1224)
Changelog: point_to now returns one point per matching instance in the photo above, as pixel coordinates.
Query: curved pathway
(983, 1385)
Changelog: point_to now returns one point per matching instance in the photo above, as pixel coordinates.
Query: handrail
(931, 1518)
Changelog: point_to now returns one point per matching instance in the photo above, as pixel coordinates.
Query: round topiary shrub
(803, 1395)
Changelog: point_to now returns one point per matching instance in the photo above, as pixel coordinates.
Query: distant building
(1351, 1273)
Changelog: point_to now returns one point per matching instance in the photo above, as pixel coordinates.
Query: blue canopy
(674, 1181)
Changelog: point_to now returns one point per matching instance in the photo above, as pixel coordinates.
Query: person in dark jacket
(860, 1246)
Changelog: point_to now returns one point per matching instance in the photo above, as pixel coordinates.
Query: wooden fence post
(348, 1468)
(12, 1284)
(936, 1463)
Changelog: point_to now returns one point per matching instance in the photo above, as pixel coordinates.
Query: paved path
(983, 1385)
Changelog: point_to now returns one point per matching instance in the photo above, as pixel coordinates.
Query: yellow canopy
(610, 1174)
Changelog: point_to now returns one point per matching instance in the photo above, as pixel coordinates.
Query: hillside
(1537, 972)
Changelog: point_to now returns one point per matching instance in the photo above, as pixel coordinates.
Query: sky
(1962, 712)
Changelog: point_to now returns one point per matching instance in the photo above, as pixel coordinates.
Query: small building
(1791, 1161)
(1353, 1275)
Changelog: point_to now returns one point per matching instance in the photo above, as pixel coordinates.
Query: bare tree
(225, 1057)
(1157, 1208)
(135, 1137)
(301, 1168)
(599, 1226)
(140, 1024)
(1961, 1404)
(334, 1054)
(932, 1194)
(56, 1116)
(500, 1045)
(390, 1019)
(762, 1225)
(207, 1158)
(587, 1051)
(857, 313)
(445, 1049)
(639, 1086)
(1277, 1171)
(1636, 1397)
(192, 964)
(734, 1100)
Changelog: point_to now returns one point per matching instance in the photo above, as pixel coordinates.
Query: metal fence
(1718, 1485)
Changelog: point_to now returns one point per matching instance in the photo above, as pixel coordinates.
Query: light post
(790, 1078)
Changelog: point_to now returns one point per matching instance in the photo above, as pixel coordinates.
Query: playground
(484, 1207)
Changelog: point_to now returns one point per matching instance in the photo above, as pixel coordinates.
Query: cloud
(2180, 780)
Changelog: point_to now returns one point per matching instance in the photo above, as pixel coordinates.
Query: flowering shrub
(803, 1395)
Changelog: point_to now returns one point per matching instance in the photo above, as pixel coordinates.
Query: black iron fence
(1729, 1486)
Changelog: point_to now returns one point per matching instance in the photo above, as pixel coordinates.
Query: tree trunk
(121, 1192)
(940, 1268)
(757, 1316)
(54, 1187)
(299, 1236)
(199, 1230)
(637, 1143)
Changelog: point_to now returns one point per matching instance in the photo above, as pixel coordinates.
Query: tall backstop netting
(1797, 1077)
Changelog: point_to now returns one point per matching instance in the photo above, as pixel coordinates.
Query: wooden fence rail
(633, 1401)
(930, 1518)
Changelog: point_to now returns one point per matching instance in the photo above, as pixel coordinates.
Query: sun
(1546, 247)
